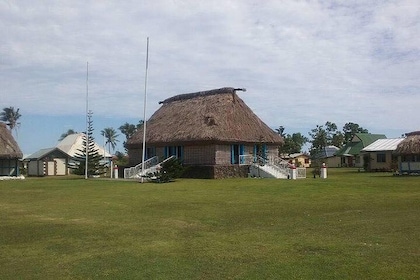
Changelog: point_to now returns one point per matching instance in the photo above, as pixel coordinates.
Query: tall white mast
(144, 110)
(87, 119)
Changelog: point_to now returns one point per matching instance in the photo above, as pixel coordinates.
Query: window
(177, 151)
(260, 150)
(380, 157)
(150, 152)
(236, 151)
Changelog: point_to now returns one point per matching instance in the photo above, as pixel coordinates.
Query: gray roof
(383, 145)
(327, 152)
(42, 153)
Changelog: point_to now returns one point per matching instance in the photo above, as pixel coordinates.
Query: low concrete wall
(216, 171)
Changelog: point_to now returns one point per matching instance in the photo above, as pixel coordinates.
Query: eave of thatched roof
(9, 148)
(410, 145)
(216, 116)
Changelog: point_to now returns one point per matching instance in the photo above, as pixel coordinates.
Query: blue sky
(303, 62)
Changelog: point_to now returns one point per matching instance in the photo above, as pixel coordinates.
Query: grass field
(349, 226)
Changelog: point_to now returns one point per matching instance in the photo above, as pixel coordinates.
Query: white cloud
(303, 62)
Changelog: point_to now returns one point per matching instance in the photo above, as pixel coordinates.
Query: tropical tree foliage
(122, 159)
(110, 137)
(11, 116)
(129, 129)
(67, 133)
(328, 134)
(325, 135)
(94, 166)
(293, 143)
(349, 129)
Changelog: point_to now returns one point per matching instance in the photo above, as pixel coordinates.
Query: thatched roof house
(10, 153)
(408, 151)
(410, 145)
(208, 128)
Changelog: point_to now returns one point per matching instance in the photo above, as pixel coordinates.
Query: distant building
(379, 156)
(328, 156)
(299, 159)
(55, 161)
(350, 153)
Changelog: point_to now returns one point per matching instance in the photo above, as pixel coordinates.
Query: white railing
(276, 166)
(136, 171)
(246, 159)
(301, 172)
(156, 167)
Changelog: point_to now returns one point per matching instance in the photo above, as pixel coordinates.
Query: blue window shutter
(166, 152)
(181, 152)
(232, 154)
(241, 152)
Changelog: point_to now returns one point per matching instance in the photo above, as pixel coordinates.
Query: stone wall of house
(134, 157)
(230, 171)
(216, 171)
(223, 154)
(200, 155)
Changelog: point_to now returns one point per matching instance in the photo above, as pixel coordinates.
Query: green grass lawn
(349, 226)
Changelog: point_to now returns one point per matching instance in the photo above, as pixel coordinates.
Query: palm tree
(10, 116)
(65, 134)
(110, 137)
(128, 130)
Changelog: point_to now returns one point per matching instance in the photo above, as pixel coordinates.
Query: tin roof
(74, 142)
(359, 142)
(383, 145)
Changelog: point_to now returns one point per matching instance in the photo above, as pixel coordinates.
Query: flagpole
(144, 111)
(87, 119)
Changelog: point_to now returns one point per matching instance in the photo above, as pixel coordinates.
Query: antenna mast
(144, 111)
(87, 119)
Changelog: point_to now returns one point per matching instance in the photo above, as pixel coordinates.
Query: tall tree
(319, 139)
(280, 131)
(11, 116)
(67, 133)
(129, 129)
(334, 136)
(292, 143)
(94, 166)
(110, 137)
(349, 129)
(325, 135)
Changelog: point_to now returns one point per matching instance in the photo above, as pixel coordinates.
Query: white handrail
(275, 164)
(136, 171)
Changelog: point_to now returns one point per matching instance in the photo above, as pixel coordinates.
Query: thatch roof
(410, 145)
(8, 146)
(217, 116)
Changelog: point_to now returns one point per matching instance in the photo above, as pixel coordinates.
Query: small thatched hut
(10, 153)
(408, 152)
(209, 131)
